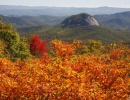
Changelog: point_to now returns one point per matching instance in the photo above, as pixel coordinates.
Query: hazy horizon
(68, 3)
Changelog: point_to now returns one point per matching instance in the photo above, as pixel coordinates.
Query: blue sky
(68, 3)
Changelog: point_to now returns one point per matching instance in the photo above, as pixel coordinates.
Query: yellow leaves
(7, 82)
(66, 84)
(66, 75)
(64, 49)
(46, 77)
(98, 84)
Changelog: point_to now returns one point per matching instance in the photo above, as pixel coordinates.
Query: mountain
(56, 11)
(81, 27)
(116, 21)
(29, 21)
(82, 19)
(84, 33)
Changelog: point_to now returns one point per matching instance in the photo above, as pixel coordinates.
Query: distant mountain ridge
(56, 11)
(29, 21)
(116, 21)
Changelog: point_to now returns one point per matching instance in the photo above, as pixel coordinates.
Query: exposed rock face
(82, 19)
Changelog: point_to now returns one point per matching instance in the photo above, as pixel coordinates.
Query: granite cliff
(82, 19)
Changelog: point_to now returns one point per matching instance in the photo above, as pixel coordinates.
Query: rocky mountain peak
(82, 19)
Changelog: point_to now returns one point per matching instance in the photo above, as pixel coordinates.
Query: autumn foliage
(67, 74)
(37, 47)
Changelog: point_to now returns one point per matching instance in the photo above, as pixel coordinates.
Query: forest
(36, 69)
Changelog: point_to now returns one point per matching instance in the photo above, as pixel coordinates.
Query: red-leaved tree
(37, 47)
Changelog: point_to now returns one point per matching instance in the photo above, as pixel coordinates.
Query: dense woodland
(55, 68)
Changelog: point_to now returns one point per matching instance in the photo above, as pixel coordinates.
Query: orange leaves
(115, 54)
(77, 67)
(67, 75)
(62, 49)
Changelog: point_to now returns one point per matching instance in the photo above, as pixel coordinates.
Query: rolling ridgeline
(76, 27)
(110, 28)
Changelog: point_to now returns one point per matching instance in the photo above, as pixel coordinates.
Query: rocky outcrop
(82, 19)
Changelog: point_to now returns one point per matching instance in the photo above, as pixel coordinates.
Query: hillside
(83, 33)
(29, 21)
(117, 21)
(56, 11)
(76, 27)
(48, 28)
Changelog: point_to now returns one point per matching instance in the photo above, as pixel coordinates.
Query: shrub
(16, 47)
(37, 47)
